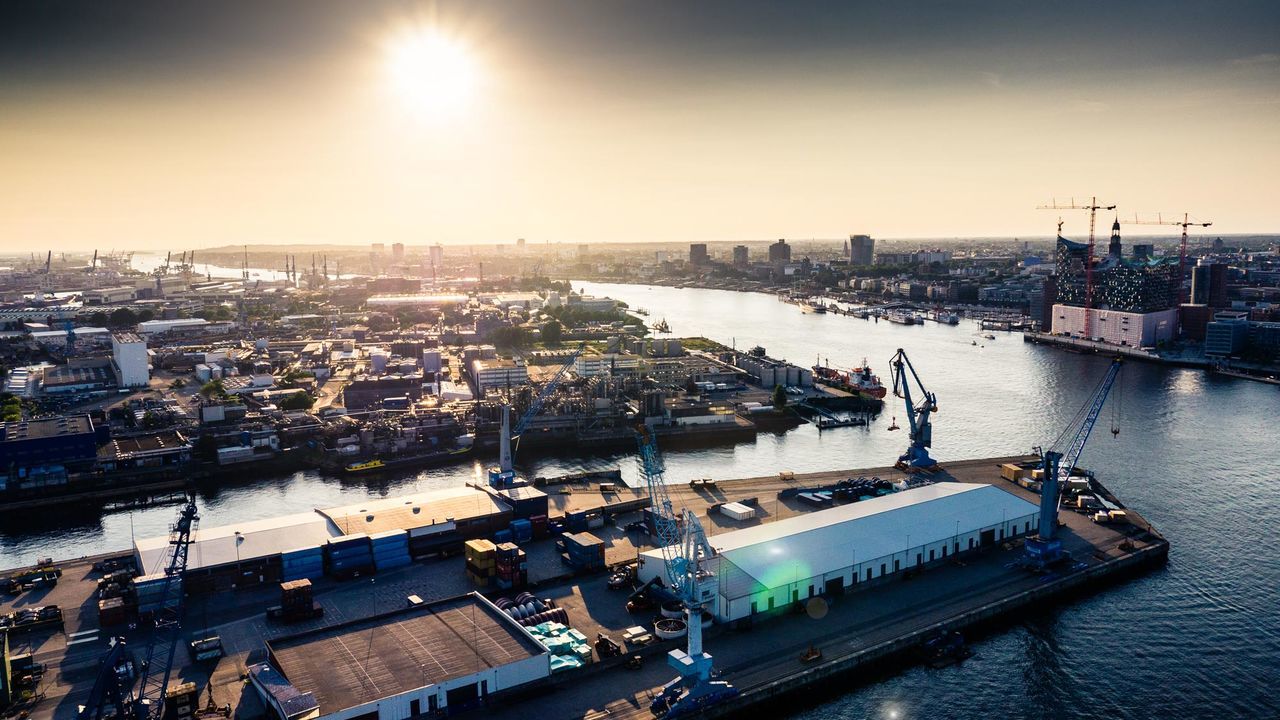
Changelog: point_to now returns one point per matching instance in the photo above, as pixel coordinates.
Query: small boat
(989, 336)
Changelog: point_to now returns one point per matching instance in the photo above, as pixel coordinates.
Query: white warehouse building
(768, 566)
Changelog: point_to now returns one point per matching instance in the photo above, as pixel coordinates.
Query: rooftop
(47, 427)
(828, 540)
(123, 447)
(407, 512)
(367, 660)
(248, 540)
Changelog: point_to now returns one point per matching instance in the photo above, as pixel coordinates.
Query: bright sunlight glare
(434, 74)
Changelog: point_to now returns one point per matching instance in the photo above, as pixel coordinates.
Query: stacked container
(482, 561)
(522, 531)
(583, 551)
(149, 589)
(390, 549)
(349, 556)
(512, 567)
(302, 563)
(539, 523)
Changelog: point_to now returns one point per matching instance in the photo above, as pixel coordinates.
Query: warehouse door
(835, 586)
(463, 698)
(988, 537)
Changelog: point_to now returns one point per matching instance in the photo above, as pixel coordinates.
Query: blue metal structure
(114, 687)
(684, 550)
(509, 439)
(917, 457)
(1046, 548)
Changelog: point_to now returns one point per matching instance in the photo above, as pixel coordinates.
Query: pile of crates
(302, 563)
(390, 549)
(482, 561)
(297, 602)
(116, 598)
(349, 556)
(512, 567)
(569, 648)
(582, 551)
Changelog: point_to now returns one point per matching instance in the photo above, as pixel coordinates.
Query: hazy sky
(161, 124)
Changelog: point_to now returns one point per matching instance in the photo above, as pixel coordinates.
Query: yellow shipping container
(1009, 471)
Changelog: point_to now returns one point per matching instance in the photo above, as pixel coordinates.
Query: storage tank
(378, 361)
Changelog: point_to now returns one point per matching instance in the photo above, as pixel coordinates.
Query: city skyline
(146, 126)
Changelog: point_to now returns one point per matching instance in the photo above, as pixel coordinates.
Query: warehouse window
(944, 551)
(970, 543)
(897, 564)
(956, 547)
(770, 602)
(883, 568)
(1026, 527)
(868, 573)
(810, 591)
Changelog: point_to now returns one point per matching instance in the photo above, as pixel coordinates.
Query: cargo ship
(377, 464)
(861, 380)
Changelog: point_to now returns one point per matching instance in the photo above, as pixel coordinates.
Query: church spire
(1114, 250)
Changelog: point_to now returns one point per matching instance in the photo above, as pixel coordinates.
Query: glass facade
(1138, 285)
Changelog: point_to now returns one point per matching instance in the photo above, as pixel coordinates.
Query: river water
(1196, 455)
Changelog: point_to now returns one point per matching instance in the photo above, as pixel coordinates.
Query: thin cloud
(992, 79)
(1090, 106)
(1255, 60)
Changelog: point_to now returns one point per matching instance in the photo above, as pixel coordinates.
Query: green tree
(552, 332)
(123, 316)
(98, 319)
(297, 401)
(213, 389)
(177, 384)
(145, 315)
(779, 397)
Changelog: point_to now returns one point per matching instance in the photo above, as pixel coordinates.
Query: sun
(431, 72)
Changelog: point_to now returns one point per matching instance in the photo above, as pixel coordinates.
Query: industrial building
(1117, 327)
(130, 360)
(446, 516)
(445, 656)
(47, 446)
(769, 566)
(862, 249)
(498, 373)
(250, 553)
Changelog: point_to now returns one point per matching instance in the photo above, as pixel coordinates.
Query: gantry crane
(113, 693)
(1046, 549)
(1182, 251)
(1093, 207)
(509, 440)
(685, 552)
(916, 458)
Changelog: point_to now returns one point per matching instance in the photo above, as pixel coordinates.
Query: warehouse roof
(406, 512)
(249, 540)
(379, 657)
(824, 541)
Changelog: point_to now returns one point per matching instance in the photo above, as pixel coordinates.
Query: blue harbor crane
(916, 458)
(127, 691)
(685, 552)
(509, 440)
(1046, 548)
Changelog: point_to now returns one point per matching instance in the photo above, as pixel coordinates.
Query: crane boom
(1182, 251)
(509, 438)
(1093, 207)
(685, 552)
(917, 456)
(113, 687)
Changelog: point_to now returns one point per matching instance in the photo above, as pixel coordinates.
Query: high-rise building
(583, 251)
(780, 252)
(698, 254)
(397, 252)
(520, 245)
(861, 249)
(741, 256)
(1218, 285)
(130, 361)
(435, 256)
(1144, 251)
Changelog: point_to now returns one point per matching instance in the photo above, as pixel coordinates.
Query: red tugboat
(867, 382)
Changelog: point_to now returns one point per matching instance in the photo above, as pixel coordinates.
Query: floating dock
(878, 621)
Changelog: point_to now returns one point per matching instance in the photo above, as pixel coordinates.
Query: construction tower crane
(1093, 207)
(1182, 252)
(113, 693)
(916, 458)
(509, 439)
(685, 553)
(1046, 549)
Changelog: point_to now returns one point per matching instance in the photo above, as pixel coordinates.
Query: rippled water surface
(1198, 456)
